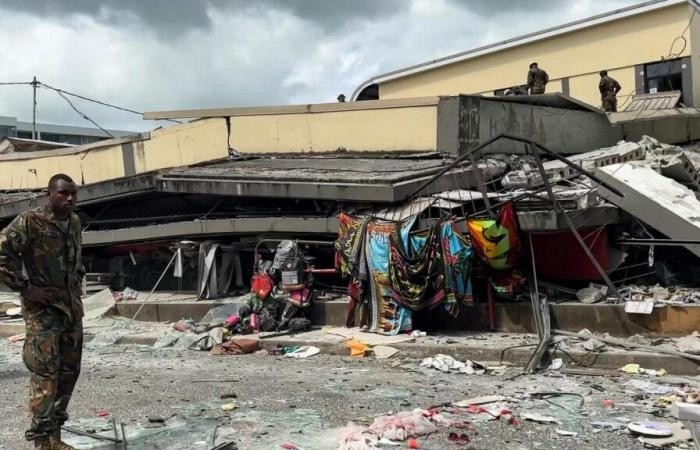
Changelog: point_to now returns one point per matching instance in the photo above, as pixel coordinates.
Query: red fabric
(261, 285)
(559, 256)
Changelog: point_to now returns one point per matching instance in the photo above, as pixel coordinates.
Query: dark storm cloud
(501, 7)
(181, 15)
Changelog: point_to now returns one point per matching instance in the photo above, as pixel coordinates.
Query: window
(664, 76)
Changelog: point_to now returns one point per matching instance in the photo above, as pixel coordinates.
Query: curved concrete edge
(609, 360)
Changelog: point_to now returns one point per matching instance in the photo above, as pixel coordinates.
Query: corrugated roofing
(659, 100)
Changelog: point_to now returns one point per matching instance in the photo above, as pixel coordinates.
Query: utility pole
(34, 83)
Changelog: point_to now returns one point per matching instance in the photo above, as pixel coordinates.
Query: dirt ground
(171, 399)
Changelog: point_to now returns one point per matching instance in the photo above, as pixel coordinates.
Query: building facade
(11, 127)
(649, 47)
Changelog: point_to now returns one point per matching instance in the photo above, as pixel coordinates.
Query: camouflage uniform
(609, 87)
(37, 250)
(537, 79)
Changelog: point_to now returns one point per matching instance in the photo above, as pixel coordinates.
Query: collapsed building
(513, 213)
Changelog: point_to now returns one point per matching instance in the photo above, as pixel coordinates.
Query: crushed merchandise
(446, 363)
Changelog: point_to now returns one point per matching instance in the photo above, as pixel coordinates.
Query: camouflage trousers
(53, 349)
(610, 103)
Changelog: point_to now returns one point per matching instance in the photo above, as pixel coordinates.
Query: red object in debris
(558, 255)
(261, 285)
(461, 439)
(289, 446)
(413, 443)
(608, 403)
(102, 413)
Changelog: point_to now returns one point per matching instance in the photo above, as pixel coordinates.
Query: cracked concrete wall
(561, 130)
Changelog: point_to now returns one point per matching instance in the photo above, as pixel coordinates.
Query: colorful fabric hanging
(496, 241)
(416, 272)
(457, 258)
(349, 247)
(386, 315)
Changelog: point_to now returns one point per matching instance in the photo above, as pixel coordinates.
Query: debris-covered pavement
(176, 399)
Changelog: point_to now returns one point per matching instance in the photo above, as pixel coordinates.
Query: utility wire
(15, 83)
(61, 91)
(83, 115)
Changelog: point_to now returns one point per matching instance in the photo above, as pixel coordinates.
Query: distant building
(65, 134)
(649, 47)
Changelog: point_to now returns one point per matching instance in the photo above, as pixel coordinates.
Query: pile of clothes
(395, 269)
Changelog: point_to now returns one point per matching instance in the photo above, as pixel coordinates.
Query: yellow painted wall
(90, 166)
(623, 43)
(378, 129)
(409, 128)
(585, 87)
(181, 145)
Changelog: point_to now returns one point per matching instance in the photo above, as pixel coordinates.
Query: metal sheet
(660, 100)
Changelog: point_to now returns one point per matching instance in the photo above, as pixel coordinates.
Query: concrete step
(489, 347)
(671, 321)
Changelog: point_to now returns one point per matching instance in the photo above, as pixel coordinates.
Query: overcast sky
(179, 54)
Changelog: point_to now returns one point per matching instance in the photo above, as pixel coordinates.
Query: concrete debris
(540, 418)
(384, 351)
(445, 363)
(660, 202)
(592, 293)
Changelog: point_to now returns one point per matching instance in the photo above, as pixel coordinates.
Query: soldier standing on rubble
(40, 258)
(609, 87)
(537, 79)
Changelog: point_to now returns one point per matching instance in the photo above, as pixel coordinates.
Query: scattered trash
(445, 363)
(606, 425)
(303, 352)
(229, 406)
(608, 403)
(631, 369)
(459, 439)
(653, 429)
(566, 433)
(413, 443)
(418, 333)
(594, 345)
(592, 293)
(357, 349)
(533, 417)
(236, 347)
(289, 446)
(384, 351)
(557, 364)
(126, 295)
(649, 387)
(481, 400)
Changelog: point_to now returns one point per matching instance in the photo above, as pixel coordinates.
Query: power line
(83, 115)
(61, 91)
(15, 83)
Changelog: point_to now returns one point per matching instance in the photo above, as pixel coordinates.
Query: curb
(517, 356)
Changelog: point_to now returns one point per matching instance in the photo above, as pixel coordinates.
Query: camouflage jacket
(36, 251)
(536, 80)
(608, 86)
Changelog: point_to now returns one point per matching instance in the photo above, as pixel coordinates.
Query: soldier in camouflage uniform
(40, 258)
(537, 79)
(609, 87)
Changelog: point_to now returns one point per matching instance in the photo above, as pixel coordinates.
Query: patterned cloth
(416, 273)
(386, 315)
(496, 241)
(457, 255)
(350, 246)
